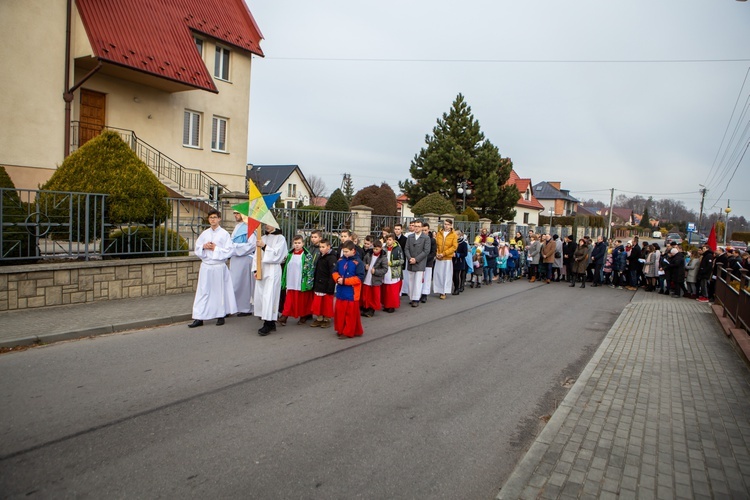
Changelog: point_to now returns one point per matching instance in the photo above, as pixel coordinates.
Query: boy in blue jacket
(349, 275)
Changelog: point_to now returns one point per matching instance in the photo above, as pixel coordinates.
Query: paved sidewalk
(661, 411)
(52, 324)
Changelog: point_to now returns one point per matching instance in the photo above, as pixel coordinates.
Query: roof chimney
(555, 184)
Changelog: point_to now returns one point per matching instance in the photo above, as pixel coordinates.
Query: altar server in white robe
(268, 286)
(240, 266)
(214, 296)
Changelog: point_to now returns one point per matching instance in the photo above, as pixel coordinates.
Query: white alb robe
(442, 277)
(268, 288)
(214, 295)
(240, 268)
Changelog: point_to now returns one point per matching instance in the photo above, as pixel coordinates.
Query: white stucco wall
(32, 76)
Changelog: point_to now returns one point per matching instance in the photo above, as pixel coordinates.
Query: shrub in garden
(433, 203)
(152, 242)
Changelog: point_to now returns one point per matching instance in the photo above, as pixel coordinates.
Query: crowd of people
(335, 287)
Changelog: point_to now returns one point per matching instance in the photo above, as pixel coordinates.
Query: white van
(656, 234)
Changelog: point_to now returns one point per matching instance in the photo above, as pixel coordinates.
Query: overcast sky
(568, 90)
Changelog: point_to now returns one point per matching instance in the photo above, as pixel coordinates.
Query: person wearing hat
(676, 272)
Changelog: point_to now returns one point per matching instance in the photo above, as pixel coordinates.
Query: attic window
(199, 45)
(221, 63)
(267, 183)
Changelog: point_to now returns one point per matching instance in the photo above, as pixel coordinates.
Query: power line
(739, 94)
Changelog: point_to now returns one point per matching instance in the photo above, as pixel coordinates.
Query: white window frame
(221, 63)
(200, 45)
(217, 124)
(191, 129)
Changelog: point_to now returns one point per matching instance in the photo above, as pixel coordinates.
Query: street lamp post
(726, 222)
(463, 188)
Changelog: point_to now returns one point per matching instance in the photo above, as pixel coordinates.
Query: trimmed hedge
(741, 236)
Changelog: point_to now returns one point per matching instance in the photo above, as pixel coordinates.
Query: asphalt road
(435, 402)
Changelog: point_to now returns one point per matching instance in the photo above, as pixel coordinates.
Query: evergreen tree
(348, 190)
(381, 199)
(337, 202)
(645, 219)
(106, 164)
(456, 151)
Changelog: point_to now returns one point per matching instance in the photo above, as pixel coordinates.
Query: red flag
(711, 243)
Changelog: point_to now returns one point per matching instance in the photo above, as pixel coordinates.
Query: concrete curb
(94, 331)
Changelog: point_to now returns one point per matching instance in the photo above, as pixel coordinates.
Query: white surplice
(268, 288)
(214, 296)
(240, 268)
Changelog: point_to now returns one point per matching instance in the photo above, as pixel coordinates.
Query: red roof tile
(522, 185)
(155, 37)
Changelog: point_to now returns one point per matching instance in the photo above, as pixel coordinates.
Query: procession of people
(336, 287)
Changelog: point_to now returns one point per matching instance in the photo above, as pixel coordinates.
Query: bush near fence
(740, 236)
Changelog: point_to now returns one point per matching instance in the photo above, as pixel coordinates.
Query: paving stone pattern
(661, 411)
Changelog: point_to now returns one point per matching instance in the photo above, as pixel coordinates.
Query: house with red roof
(527, 207)
(172, 76)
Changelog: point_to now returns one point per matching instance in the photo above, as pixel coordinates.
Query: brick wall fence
(41, 285)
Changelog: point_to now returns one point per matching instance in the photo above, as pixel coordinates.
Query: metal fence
(47, 225)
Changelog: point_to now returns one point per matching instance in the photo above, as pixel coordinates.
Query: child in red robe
(297, 280)
(376, 266)
(349, 274)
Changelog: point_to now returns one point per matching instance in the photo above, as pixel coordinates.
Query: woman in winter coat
(651, 268)
(691, 269)
(580, 262)
(534, 250)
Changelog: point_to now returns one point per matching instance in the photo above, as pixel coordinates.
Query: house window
(291, 190)
(191, 130)
(221, 63)
(199, 45)
(526, 217)
(527, 195)
(219, 134)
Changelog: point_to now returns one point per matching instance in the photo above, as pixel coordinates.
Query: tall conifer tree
(457, 151)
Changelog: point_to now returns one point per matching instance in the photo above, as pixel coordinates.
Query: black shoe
(414, 303)
(455, 293)
(595, 285)
(196, 323)
(423, 299)
(572, 284)
(583, 285)
(390, 310)
(219, 321)
(241, 315)
(268, 327)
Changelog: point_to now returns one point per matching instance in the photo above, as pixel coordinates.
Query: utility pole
(611, 207)
(700, 216)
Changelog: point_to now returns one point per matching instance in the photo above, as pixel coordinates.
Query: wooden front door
(92, 115)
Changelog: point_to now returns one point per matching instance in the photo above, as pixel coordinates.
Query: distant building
(403, 209)
(587, 211)
(554, 199)
(527, 207)
(285, 179)
(620, 216)
(172, 77)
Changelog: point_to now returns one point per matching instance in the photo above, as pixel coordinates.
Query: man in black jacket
(569, 248)
(633, 265)
(597, 258)
(704, 272)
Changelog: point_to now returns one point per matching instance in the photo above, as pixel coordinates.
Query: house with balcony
(556, 201)
(527, 207)
(285, 179)
(173, 78)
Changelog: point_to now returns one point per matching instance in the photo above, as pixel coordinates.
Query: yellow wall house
(172, 76)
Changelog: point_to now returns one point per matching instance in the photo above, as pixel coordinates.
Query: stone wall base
(42, 285)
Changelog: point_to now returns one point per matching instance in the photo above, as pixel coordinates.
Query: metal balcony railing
(186, 180)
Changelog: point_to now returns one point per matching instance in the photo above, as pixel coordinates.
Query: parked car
(673, 237)
(739, 245)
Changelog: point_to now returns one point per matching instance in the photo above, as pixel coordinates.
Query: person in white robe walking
(214, 296)
(268, 286)
(240, 266)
